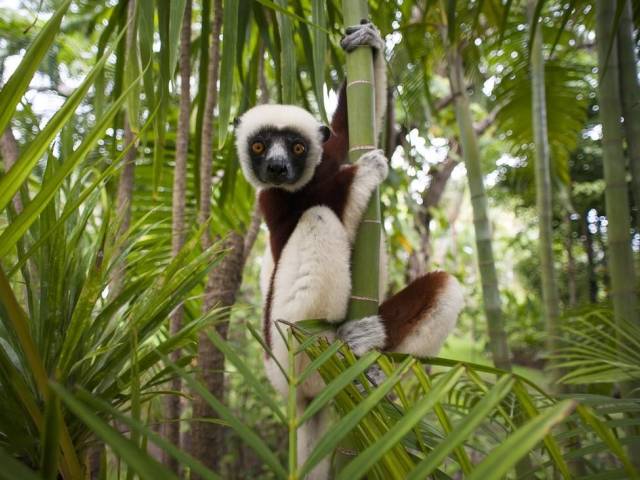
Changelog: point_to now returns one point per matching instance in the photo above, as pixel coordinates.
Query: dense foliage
(130, 316)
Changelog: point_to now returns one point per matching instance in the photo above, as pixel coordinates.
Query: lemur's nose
(277, 169)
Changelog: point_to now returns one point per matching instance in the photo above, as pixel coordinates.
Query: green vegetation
(130, 318)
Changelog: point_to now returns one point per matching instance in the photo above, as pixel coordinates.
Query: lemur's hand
(376, 163)
(363, 335)
(364, 35)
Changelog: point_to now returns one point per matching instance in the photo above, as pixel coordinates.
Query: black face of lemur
(278, 156)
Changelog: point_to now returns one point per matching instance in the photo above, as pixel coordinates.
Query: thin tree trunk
(440, 174)
(125, 183)
(630, 93)
(621, 264)
(207, 438)
(482, 226)
(172, 402)
(551, 302)
(621, 261)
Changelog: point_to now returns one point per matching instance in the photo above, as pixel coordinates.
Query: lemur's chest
(282, 210)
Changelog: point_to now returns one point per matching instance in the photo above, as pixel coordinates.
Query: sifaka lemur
(312, 202)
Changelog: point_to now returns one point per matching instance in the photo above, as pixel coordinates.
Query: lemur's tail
(416, 320)
(419, 318)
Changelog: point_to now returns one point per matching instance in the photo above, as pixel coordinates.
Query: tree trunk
(550, 300)
(630, 93)
(431, 197)
(621, 263)
(482, 226)
(172, 402)
(207, 438)
(222, 286)
(125, 183)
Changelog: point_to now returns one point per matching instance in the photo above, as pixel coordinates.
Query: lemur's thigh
(419, 318)
(312, 280)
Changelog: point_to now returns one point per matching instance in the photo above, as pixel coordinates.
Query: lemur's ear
(325, 132)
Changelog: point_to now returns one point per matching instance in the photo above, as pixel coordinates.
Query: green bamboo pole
(481, 223)
(551, 302)
(361, 108)
(620, 258)
(630, 91)
(366, 252)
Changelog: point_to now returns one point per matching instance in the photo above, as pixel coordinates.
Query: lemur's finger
(366, 35)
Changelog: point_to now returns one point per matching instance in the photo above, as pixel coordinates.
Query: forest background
(130, 339)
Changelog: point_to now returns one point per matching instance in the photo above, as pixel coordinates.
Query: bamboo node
(366, 220)
(361, 147)
(356, 82)
(366, 299)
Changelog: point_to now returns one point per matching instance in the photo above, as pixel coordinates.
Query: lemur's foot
(375, 162)
(363, 335)
(364, 35)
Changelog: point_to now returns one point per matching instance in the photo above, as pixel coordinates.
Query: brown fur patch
(402, 312)
(266, 324)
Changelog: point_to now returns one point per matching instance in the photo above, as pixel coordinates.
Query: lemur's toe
(363, 35)
(364, 334)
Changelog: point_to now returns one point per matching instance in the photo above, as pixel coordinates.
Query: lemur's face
(278, 156)
(279, 146)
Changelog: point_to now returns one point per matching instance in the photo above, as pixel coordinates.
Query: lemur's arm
(371, 168)
(365, 34)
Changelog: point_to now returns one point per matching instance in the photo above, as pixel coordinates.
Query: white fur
(371, 172)
(364, 334)
(308, 435)
(433, 329)
(279, 117)
(313, 281)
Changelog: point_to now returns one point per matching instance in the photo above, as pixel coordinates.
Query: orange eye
(257, 147)
(298, 149)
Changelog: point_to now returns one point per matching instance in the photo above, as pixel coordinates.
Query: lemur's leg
(367, 35)
(416, 320)
(312, 281)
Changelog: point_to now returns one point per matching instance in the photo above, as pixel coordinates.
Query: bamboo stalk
(479, 204)
(620, 259)
(630, 96)
(551, 302)
(621, 264)
(365, 259)
(361, 108)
